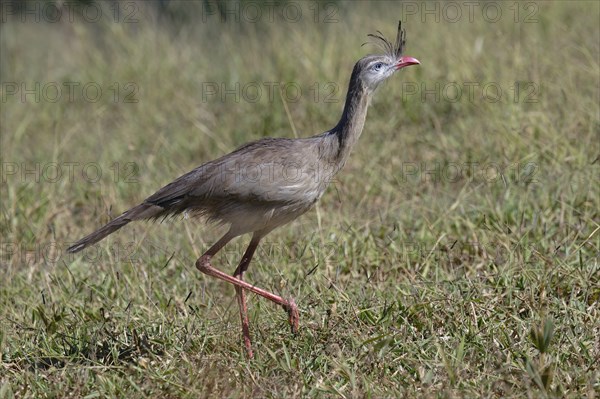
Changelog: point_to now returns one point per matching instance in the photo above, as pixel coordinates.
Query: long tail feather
(142, 211)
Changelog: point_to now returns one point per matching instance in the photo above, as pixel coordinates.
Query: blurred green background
(455, 255)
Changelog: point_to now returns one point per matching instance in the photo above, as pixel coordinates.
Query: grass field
(456, 255)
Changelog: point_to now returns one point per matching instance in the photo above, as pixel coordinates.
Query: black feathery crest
(393, 50)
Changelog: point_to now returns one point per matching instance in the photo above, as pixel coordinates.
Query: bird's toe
(294, 315)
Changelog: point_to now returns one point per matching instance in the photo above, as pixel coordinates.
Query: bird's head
(374, 69)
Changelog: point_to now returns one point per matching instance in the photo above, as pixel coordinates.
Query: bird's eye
(378, 66)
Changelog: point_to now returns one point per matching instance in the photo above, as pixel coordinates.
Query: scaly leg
(203, 264)
(241, 294)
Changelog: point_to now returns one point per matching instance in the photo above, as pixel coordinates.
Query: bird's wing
(175, 193)
(269, 170)
(272, 170)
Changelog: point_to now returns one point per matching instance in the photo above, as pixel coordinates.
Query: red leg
(241, 294)
(203, 264)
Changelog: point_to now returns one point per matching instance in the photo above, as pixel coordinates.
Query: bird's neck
(351, 124)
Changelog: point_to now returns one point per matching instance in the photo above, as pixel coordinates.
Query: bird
(267, 183)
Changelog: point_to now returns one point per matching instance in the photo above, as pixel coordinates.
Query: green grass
(456, 255)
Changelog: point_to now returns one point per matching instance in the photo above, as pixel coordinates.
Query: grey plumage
(267, 183)
(256, 188)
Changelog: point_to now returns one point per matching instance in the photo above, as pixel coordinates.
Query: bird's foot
(294, 316)
(248, 345)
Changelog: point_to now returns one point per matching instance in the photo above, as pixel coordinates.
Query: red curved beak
(406, 61)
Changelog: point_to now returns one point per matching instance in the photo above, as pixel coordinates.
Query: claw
(294, 316)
